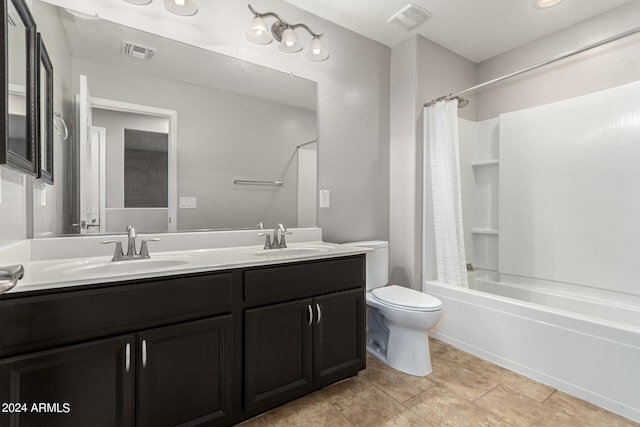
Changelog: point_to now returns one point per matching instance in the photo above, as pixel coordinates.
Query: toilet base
(414, 361)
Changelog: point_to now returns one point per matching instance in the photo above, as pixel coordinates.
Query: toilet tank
(377, 262)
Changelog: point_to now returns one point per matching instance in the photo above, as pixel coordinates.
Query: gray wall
(421, 71)
(605, 67)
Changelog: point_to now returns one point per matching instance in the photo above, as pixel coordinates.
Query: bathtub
(582, 341)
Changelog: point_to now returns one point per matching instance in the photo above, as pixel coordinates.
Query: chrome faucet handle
(144, 251)
(267, 242)
(131, 232)
(9, 277)
(283, 242)
(260, 226)
(117, 253)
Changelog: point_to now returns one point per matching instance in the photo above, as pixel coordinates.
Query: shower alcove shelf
(485, 222)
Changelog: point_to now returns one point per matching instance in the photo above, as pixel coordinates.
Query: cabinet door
(185, 373)
(339, 335)
(82, 385)
(278, 352)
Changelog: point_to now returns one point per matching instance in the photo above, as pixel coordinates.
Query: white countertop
(60, 273)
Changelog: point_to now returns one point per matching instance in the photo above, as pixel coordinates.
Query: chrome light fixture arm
(283, 32)
(281, 24)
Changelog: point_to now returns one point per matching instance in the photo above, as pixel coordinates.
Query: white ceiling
(474, 29)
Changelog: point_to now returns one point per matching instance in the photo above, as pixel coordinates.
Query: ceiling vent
(409, 17)
(137, 51)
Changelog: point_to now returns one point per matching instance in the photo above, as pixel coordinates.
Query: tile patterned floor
(463, 390)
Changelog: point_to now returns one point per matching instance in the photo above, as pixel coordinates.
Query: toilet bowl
(398, 318)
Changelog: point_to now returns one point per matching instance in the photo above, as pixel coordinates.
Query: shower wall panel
(569, 203)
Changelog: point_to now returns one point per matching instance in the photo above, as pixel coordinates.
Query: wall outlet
(188, 202)
(325, 198)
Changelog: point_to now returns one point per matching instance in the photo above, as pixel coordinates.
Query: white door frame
(172, 116)
(102, 168)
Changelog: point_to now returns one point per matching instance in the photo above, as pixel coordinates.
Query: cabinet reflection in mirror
(18, 144)
(45, 113)
(227, 120)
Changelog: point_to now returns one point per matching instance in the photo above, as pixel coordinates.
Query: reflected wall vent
(409, 17)
(137, 51)
(13, 18)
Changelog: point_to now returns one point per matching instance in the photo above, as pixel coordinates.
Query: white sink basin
(294, 251)
(92, 268)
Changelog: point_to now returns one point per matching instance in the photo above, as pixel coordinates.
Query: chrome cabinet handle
(144, 353)
(310, 314)
(319, 312)
(127, 353)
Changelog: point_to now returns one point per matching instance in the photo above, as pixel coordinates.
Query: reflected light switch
(325, 198)
(188, 203)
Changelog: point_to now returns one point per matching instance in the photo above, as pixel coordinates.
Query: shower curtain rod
(306, 143)
(536, 66)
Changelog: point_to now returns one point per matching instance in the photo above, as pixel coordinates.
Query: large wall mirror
(168, 136)
(18, 145)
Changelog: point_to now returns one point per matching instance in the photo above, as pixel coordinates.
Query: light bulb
(317, 52)
(543, 4)
(289, 41)
(179, 2)
(257, 32)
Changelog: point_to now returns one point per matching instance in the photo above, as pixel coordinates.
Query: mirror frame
(27, 164)
(45, 124)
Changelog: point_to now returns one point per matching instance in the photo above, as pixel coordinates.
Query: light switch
(188, 202)
(325, 198)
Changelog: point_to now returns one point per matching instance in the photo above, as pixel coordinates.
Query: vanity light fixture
(181, 7)
(543, 4)
(177, 7)
(284, 33)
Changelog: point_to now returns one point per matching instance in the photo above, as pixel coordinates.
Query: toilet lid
(401, 297)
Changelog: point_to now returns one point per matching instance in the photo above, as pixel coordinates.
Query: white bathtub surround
(569, 204)
(588, 357)
(442, 152)
(552, 211)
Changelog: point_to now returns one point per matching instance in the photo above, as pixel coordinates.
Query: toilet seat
(405, 298)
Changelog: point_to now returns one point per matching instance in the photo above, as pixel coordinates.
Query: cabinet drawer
(301, 280)
(36, 322)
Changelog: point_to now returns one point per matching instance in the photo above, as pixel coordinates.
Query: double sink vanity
(212, 329)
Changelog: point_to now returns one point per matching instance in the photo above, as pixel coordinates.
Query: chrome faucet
(131, 254)
(278, 241)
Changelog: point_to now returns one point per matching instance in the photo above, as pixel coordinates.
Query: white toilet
(398, 318)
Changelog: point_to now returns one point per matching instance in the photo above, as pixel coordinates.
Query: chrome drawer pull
(144, 353)
(310, 314)
(319, 312)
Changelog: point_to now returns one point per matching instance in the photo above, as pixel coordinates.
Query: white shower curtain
(441, 144)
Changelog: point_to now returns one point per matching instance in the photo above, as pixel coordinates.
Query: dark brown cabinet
(184, 373)
(167, 376)
(339, 335)
(89, 384)
(294, 347)
(279, 352)
(205, 349)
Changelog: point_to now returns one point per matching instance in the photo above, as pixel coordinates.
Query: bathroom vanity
(199, 348)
